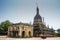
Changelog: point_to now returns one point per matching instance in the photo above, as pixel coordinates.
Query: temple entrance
(29, 34)
(23, 34)
(15, 33)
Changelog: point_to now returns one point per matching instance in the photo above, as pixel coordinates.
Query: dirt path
(6, 38)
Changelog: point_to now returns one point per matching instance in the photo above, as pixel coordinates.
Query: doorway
(15, 33)
(29, 34)
(23, 34)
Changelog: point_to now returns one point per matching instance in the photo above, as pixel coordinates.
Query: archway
(23, 34)
(29, 34)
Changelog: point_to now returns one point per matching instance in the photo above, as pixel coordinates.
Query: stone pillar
(20, 32)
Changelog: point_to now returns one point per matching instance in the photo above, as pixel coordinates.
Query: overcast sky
(24, 11)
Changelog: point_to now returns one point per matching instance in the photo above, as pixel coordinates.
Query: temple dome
(37, 16)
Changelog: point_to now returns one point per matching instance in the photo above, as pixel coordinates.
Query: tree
(58, 32)
(4, 25)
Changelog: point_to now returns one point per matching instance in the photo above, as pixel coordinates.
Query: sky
(24, 11)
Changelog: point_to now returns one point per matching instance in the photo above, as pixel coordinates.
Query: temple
(37, 29)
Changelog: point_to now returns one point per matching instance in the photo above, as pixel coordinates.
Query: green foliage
(4, 26)
(58, 32)
(1, 29)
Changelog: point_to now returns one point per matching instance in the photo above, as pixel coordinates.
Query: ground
(34, 38)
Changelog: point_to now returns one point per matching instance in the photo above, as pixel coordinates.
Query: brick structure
(20, 30)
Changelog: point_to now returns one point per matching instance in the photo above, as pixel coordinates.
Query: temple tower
(37, 23)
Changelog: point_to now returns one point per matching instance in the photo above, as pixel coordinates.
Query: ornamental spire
(37, 7)
(37, 10)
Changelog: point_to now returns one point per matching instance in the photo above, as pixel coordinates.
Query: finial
(48, 26)
(37, 7)
(43, 19)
